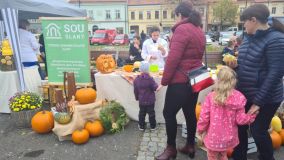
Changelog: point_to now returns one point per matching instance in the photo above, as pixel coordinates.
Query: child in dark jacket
(144, 90)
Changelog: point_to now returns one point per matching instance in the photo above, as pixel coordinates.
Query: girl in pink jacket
(221, 113)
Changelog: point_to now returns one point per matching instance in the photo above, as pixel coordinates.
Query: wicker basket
(23, 119)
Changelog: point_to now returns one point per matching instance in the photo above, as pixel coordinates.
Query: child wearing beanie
(144, 90)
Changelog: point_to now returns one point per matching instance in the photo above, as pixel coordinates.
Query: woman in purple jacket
(144, 90)
(186, 50)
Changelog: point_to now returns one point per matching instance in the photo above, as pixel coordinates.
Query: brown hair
(186, 10)
(261, 13)
(137, 37)
(154, 29)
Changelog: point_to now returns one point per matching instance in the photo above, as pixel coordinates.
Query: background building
(107, 14)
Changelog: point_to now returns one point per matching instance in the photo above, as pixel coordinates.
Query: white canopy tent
(13, 10)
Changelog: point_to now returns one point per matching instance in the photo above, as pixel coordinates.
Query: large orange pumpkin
(42, 122)
(276, 140)
(281, 133)
(94, 128)
(105, 63)
(197, 110)
(80, 136)
(86, 95)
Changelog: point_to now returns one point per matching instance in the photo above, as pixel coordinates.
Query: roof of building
(144, 2)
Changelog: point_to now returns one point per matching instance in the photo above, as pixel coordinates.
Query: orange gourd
(80, 136)
(230, 152)
(197, 110)
(42, 122)
(128, 68)
(95, 128)
(276, 140)
(281, 133)
(105, 63)
(86, 95)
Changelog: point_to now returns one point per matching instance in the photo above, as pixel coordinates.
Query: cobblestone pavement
(153, 143)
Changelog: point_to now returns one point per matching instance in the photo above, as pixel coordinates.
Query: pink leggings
(215, 155)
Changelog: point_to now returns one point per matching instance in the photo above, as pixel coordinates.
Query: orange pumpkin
(281, 133)
(128, 68)
(42, 122)
(94, 128)
(276, 140)
(80, 136)
(230, 152)
(105, 63)
(86, 95)
(197, 110)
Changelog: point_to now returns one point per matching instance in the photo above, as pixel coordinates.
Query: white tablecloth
(9, 85)
(114, 87)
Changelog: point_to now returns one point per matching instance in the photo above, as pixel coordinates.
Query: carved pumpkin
(42, 122)
(80, 136)
(197, 110)
(276, 140)
(128, 68)
(281, 133)
(94, 128)
(105, 63)
(86, 95)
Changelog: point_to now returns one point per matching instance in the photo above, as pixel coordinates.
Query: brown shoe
(169, 153)
(188, 149)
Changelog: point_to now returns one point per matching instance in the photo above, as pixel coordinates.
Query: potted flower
(62, 114)
(23, 106)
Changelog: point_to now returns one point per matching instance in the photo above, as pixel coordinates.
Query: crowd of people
(248, 91)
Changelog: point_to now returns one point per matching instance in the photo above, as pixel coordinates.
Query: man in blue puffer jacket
(260, 69)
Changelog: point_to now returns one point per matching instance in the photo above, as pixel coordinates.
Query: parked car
(208, 40)
(103, 36)
(224, 38)
(121, 39)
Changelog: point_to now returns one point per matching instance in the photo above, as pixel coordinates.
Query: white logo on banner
(53, 31)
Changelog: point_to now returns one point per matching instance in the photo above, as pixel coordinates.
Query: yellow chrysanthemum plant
(25, 101)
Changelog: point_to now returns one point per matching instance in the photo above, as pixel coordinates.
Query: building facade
(106, 14)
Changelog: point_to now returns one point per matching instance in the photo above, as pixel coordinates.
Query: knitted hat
(144, 67)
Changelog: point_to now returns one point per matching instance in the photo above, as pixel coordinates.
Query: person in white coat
(29, 46)
(155, 49)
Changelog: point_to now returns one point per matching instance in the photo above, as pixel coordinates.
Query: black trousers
(259, 133)
(147, 109)
(180, 96)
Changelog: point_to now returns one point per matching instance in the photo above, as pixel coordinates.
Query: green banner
(67, 48)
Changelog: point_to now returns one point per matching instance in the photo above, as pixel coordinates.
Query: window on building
(242, 9)
(132, 15)
(140, 15)
(148, 14)
(273, 10)
(201, 10)
(173, 15)
(117, 14)
(157, 14)
(108, 14)
(91, 14)
(165, 14)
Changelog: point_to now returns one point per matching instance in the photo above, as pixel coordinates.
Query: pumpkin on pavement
(197, 110)
(281, 133)
(86, 95)
(94, 128)
(42, 122)
(276, 140)
(80, 136)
